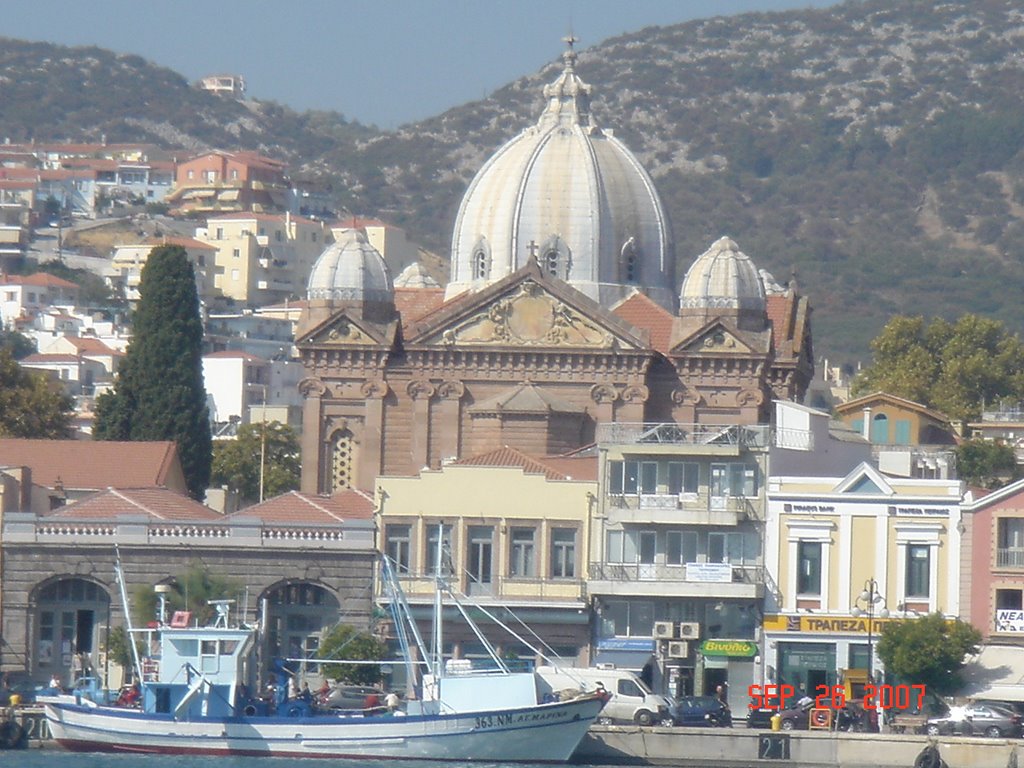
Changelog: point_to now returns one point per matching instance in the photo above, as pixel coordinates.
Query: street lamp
(870, 598)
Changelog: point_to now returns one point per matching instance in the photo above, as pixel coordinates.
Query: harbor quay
(740, 748)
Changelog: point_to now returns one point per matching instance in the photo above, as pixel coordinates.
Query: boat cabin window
(227, 647)
(208, 656)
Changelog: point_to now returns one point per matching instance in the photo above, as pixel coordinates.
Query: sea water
(54, 757)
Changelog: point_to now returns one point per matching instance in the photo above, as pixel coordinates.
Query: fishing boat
(194, 700)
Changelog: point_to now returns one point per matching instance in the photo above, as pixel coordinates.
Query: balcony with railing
(419, 585)
(711, 437)
(1010, 557)
(699, 508)
(686, 580)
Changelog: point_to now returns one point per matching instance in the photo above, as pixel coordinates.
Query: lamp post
(870, 598)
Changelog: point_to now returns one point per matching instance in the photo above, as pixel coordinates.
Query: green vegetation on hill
(875, 149)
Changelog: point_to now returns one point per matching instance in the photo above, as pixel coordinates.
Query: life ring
(250, 710)
(821, 718)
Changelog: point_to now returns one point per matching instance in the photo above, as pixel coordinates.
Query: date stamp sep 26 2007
(876, 697)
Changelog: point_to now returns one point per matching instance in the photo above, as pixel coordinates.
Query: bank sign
(1009, 620)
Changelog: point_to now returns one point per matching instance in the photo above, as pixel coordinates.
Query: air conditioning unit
(606, 665)
(689, 630)
(664, 630)
(678, 649)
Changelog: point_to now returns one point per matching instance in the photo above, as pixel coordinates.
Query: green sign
(741, 648)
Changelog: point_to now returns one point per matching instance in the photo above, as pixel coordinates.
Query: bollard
(776, 721)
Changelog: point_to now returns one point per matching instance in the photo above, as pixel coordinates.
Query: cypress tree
(159, 392)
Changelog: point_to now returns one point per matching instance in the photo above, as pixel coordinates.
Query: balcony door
(648, 549)
(480, 559)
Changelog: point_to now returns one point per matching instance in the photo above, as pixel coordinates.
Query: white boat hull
(542, 733)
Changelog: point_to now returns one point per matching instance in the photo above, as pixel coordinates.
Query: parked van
(631, 700)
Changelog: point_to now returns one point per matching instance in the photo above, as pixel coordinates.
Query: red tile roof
(88, 464)
(42, 279)
(552, 467)
(640, 311)
(159, 504)
(296, 507)
(55, 357)
(415, 303)
(87, 345)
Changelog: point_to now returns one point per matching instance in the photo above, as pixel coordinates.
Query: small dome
(351, 269)
(415, 276)
(723, 278)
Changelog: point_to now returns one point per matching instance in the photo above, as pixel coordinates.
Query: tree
(190, 591)
(19, 345)
(954, 368)
(159, 393)
(986, 463)
(346, 642)
(30, 404)
(236, 463)
(928, 651)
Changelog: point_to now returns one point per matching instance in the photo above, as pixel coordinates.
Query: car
(976, 719)
(700, 711)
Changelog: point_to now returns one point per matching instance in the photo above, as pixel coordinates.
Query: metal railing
(687, 503)
(741, 574)
(511, 588)
(1010, 557)
(667, 433)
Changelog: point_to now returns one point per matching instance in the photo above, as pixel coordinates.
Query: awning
(633, 661)
(228, 194)
(997, 672)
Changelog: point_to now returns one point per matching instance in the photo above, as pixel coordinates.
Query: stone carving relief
(374, 389)
(529, 317)
(335, 424)
(310, 387)
(686, 396)
(451, 390)
(749, 397)
(635, 393)
(603, 393)
(419, 389)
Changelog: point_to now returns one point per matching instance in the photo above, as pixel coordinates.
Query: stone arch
(298, 613)
(480, 261)
(68, 616)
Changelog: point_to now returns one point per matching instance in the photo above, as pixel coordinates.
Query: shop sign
(709, 572)
(1008, 620)
(626, 644)
(734, 648)
(849, 625)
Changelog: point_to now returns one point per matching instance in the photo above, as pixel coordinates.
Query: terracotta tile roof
(55, 357)
(96, 164)
(552, 467)
(640, 311)
(42, 279)
(415, 303)
(89, 464)
(159, 504)
(87, 345)
(296, 507)
(17, 184)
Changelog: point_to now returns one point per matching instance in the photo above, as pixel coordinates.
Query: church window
(629, 262)
(343, 461)
(480, 265)
(551, 263)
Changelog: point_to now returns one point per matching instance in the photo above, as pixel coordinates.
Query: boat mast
(439, 585)
(127, 612)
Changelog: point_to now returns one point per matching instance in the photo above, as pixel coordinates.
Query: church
(562, 313)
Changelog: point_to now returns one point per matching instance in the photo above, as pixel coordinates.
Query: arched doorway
(70, 616)
(297, 615)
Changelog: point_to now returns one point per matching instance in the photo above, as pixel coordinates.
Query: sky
(381, 62)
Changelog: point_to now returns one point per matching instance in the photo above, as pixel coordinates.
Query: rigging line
(509, 629)
(480, 635)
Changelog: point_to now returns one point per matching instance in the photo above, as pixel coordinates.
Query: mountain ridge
(873, 149)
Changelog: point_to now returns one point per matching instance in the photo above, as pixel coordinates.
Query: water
(54, 757)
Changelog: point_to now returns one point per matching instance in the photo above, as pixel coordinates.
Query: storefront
(731, 664)
(809, 651)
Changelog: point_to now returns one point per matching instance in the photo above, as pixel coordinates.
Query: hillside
(873, 148)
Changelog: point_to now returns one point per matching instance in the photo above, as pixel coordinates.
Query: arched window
(480, 269)
(297, 615)
(629, 262)
(70, 615)
(343, 449)
(880, 429)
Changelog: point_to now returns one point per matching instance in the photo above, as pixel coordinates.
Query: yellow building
(128, 260)
(263, 258)
(516, 532)
(833, 544)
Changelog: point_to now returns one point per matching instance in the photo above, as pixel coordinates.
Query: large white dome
(573, 196)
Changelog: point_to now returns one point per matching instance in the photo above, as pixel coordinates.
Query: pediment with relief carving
(528, 316)
(341, 330)
(716, 339)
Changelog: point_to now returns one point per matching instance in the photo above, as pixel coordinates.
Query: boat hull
(543, 733)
